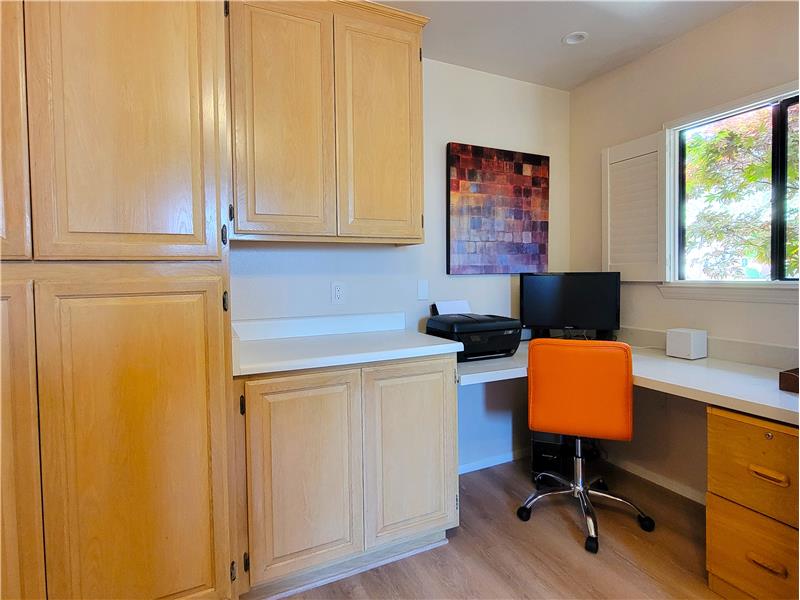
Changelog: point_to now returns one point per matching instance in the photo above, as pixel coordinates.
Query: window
(738, 196)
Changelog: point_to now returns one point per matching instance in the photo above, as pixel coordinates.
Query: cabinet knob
(769, 435)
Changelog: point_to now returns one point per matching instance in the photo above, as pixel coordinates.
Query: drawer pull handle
(768, 475)
(773, 567)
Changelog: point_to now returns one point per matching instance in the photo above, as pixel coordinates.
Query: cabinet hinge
(422, 218)
(242, 410)
(420, 54)
(225, 301)
(455, 376)
(233, 570)
(456, 501)
(224, 235)
(230, 213)
(246, 561)
(226, 7)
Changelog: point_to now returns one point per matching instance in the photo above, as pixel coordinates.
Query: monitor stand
(600, 334)
(539, 333)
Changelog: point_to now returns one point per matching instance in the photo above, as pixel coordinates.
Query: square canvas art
(497, 210)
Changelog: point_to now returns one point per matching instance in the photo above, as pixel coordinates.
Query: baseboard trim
(492, 461)
(308, 581)
(674, 486)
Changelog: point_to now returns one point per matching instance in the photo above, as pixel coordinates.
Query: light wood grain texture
(15, 206)
(21, 541)
(305, 494)
(134, 467)
(754, 463)
(725, 589)
(373, 8)
(282, 84)
(125, 145)
(750, 551)
(378, 127)
(494, 555)
(410, 450)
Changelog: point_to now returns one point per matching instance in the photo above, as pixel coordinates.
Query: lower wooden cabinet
(304, 471)
(21, 541)
(410, 450)
(131, 398)
(342, 462)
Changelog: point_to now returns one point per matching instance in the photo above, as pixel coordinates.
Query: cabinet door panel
(304, 471)
(410, 454)
(379, 129)
(21, 544)
(283, 105)
(15, 208)
(124, 102)
(132, 387)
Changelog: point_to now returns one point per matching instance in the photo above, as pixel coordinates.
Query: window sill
(771, 292)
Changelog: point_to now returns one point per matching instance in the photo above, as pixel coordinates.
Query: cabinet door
(283, 109)
(21, 544)
(304, 470)
(379, 129)
(124, 106)
(131, 396)
(410, 453)
(15, 209)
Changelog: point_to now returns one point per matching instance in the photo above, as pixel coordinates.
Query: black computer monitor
(567, 301)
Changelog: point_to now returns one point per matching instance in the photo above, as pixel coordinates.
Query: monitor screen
(570, 301)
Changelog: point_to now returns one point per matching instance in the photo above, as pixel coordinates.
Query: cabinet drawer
(754, 463)
(750, 551)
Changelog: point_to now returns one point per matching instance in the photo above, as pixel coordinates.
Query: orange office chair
(580, 388)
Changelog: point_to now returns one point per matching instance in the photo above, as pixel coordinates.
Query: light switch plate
(422, 289)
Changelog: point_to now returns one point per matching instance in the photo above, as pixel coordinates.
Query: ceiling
(523, 39)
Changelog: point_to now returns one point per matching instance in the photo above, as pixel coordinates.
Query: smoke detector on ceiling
(576, 37)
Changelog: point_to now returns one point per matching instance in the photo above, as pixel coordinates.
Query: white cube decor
(687, 343)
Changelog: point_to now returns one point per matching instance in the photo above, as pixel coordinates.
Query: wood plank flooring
(494, 555)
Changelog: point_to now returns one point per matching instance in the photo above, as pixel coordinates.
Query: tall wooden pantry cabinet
(115, 372)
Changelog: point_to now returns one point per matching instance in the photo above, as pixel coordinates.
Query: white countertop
(312, 352)
(746, 388)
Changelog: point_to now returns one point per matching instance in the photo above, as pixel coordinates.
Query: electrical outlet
(337, 292)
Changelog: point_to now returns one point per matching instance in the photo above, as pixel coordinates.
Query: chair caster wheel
(600, 485)
(524, 513)
(646, 523)
(591, 545)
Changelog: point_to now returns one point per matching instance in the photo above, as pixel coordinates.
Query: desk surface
(737, 386)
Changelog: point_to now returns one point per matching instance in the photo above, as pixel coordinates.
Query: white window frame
(781, 292)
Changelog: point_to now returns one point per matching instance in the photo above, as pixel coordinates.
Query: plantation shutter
(634, 209)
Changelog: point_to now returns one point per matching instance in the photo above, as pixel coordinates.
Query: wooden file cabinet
(751, 507)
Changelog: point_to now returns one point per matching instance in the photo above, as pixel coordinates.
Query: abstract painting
(497, 210)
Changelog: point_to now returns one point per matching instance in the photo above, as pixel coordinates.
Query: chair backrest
(580, 388)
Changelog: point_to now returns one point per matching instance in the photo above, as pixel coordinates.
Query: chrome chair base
(582, 492)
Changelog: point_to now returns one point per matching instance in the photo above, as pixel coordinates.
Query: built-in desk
(737, 386)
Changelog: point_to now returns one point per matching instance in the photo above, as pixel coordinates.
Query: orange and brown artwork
(497, 210)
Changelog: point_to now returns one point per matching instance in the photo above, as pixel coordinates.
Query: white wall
(461, 105)
(741, 53)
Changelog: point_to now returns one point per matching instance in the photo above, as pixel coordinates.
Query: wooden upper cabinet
(304, 471)
(126, 106)
(378, 127)
(15, 208)
(22, 542)
(132, 406)
(282, 74)
(410, 450)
